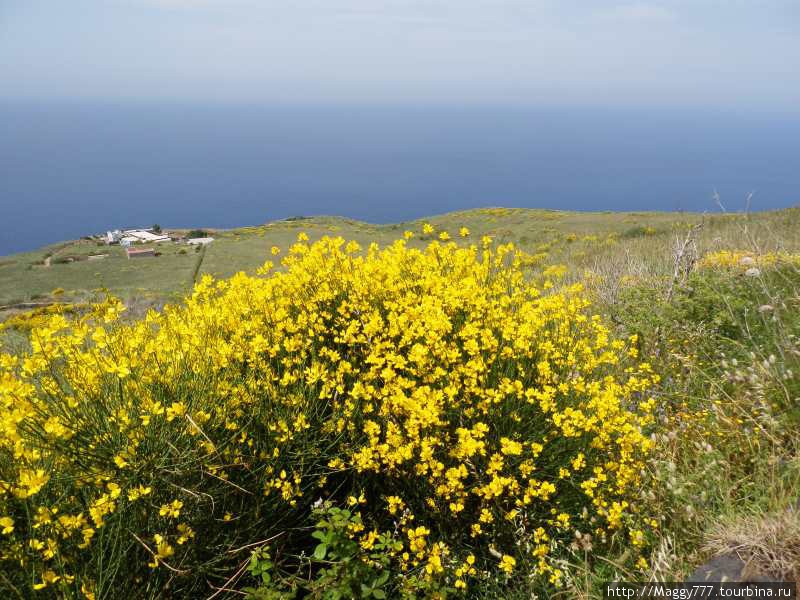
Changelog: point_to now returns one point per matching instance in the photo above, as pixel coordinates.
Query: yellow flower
(177, 409)
(463, 232)
(510, 447)
(395, 504)
(163, 550)
(275, 250)
(637, 537)
(30, 482)
(507, 563)
(138, 492)
(7, 524)
(186, 533)
(368, 541)
(55, 428)
(48, 578)
(427, 228)
(113, 490)
(172, 510)
(88, 534)
(90, 595)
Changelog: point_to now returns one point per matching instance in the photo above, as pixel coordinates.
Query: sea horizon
(75, 168)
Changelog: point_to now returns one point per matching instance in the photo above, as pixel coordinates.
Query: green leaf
(380, 594)
(320, 551)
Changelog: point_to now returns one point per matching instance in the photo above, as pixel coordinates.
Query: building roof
(134, 251)
(145, 236)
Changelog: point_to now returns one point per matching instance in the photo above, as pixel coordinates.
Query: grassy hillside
(441, 423)
(581, 240)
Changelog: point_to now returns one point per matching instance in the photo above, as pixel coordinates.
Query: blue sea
(71, 169)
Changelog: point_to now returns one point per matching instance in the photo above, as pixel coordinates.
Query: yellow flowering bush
(40, 316)
(470, 421)
(741, 260)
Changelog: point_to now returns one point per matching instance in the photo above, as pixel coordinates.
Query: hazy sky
(737, 54)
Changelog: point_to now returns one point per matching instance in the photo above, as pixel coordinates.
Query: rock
(728, 568)
(753, 272)
(747, 260)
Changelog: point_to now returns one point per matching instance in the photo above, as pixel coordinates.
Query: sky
(729, 54)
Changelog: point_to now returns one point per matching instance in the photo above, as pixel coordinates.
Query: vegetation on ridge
(446, 415)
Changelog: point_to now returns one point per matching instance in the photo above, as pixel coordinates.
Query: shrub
(470, 425)
(740, 260)
(727, 441)
(638, 231)
(29, 320)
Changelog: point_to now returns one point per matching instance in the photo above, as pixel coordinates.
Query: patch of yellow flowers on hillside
(743, 260)
(457, 398)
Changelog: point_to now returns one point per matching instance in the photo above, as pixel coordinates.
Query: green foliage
(638, 231)
(338, 567)
(727, 347)
(714, 314)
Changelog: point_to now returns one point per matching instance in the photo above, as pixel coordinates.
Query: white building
(204, 241)
(145, 236)
(135, 236)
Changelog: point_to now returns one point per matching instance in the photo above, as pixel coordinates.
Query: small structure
(135, 236)
(140, 252)
(145, 236)
(203, 241)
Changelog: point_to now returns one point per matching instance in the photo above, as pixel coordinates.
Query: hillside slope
(630, 427)
(578, 239)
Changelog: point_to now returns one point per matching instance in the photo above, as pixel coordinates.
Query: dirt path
(199, 264)
(61, 249)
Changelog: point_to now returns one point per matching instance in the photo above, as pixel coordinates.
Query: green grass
(24, 278)
(728, 435)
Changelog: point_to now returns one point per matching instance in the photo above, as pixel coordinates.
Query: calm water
(67, 171)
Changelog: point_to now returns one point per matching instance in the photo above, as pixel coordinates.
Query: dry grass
(726, 463)
(769, 544)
